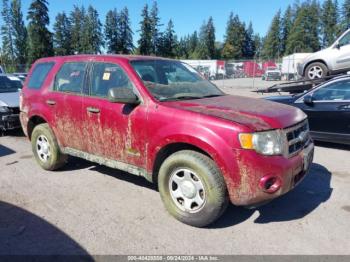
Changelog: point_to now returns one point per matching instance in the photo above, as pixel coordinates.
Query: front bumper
(9, 121)
(253, 168)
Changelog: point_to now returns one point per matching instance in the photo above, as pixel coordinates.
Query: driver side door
(114, 131)
(330, 111)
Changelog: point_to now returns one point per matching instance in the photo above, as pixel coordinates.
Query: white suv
(332, 60)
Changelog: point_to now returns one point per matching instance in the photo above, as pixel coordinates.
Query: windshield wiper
(187, 97)
(180, 98)
(208, 96)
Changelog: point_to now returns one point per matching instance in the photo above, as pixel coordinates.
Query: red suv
(160, 119)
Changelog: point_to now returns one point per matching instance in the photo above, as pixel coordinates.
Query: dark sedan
(328, 109)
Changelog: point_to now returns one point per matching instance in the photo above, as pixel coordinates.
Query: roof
(122, 57)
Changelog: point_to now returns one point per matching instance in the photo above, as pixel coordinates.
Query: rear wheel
(46, 149)
(316, 70)
(192, 188)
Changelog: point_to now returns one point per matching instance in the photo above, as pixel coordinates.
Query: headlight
(266, 143)
(4, 109)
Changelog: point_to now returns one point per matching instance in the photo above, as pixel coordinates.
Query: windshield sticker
(106, 76)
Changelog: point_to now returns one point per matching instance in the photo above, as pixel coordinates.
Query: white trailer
(212, 69)
(290, 63)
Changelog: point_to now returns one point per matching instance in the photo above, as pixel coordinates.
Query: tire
(203, 173)
(45, 148)
(316, 70)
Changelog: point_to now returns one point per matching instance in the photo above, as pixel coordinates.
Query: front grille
(274, 74)
(298, 137)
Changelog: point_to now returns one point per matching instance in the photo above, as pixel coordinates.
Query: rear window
(39, 75)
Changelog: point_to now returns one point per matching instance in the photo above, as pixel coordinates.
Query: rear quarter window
(39, 75)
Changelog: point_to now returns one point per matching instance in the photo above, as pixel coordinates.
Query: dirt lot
(90, 209)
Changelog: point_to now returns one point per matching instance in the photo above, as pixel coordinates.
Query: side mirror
(337, 46)
(308, 100)
(123, 95)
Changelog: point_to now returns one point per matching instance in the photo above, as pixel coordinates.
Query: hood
(316, 55)
(288, 99)
(257, 114)
(9, 99)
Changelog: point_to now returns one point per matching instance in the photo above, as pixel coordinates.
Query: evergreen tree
(77, 17)
(8, 52)
(125, 32)
(287, 23)
(169, 42)
(62, 35)
(329, 22)
(40, 38)
(20, 35)
(257, 45)
(272, 43)
(345, 14)
(145, 41)
(304, 34)
(202, 51)
(92, 32)
(183, 48)
(112, 36)
(154, 22)
(249, 44)
(234, 38)
(210, 38)
(192, 43)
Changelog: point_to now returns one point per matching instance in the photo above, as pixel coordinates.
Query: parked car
(9, 102)
(330, 61)
(162, 120)
(328, 109)
(272, 73)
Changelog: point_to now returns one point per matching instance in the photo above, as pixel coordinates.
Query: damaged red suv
(160, 119)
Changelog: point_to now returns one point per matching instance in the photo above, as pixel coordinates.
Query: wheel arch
(314, 61)
(33, 121)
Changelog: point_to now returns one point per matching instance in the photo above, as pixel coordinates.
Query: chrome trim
(305, 139)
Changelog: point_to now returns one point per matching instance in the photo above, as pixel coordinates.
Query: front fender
(216, 146)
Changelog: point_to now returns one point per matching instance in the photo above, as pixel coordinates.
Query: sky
(187, 15)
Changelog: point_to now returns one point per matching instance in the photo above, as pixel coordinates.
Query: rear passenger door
(112, 130)
(66, 104)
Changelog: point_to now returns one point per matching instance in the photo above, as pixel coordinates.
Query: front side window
(337, 91)
(70, 78)
(106, 76)
(345, 40)
(39, 75)
(173, 80)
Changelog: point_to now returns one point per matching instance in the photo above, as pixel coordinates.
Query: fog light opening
(270, 184)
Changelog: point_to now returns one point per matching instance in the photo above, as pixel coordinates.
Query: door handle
(93, 110)
(51, 102)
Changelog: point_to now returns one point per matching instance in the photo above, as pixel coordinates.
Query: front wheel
(192, 188)
(316, 71)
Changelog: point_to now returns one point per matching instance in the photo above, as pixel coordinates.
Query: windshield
(173, 80)
(9, 84)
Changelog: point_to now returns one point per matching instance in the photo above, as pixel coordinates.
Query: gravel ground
(94, 210)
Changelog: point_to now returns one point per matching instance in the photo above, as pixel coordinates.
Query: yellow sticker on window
(106, 76)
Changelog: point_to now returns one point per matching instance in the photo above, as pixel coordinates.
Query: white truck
(211, 69)
(290, 64)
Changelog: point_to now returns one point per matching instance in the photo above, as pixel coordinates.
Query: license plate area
(308, 156)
